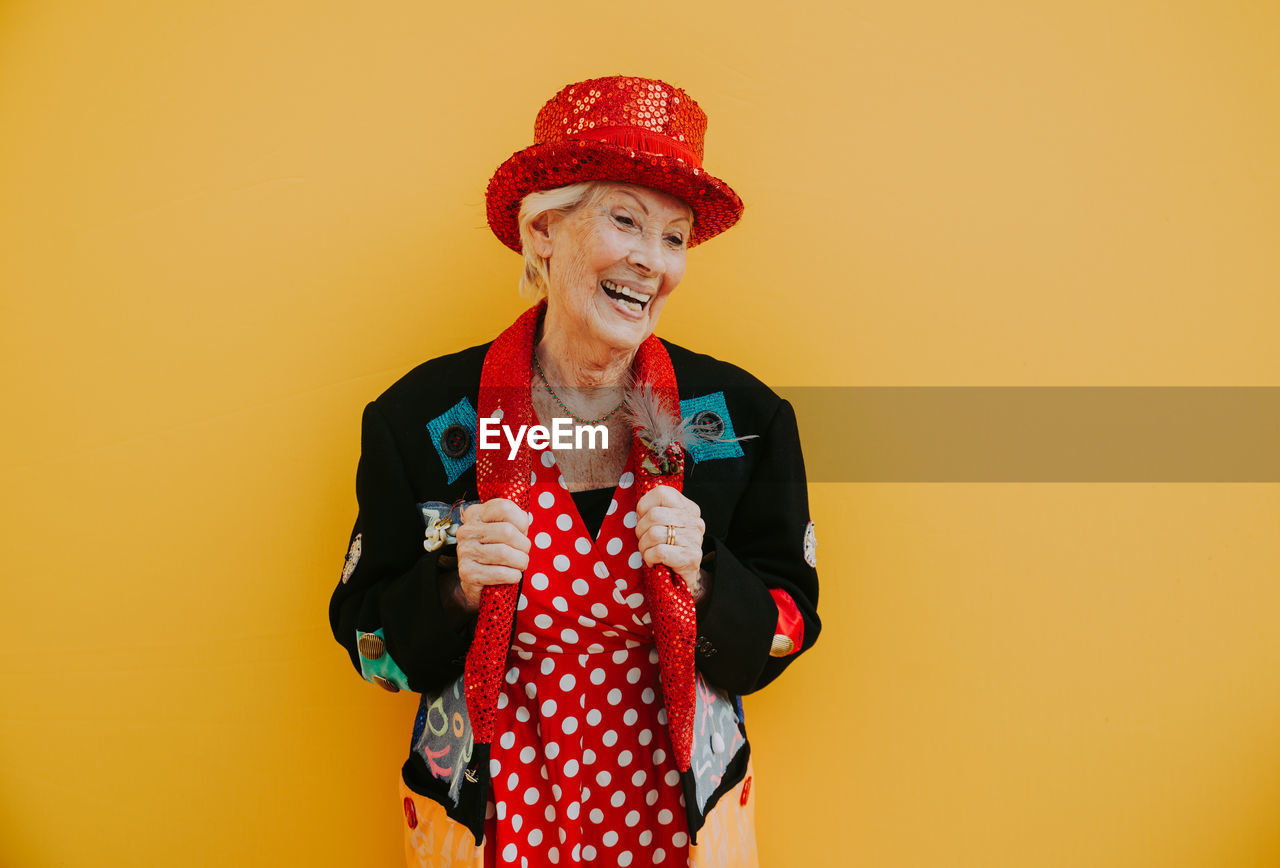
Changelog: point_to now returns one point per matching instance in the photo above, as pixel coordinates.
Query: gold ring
(671, 534)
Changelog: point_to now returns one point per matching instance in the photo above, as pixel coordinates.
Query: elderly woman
(581, 614)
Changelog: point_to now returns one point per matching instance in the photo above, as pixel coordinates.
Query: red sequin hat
(619, 128)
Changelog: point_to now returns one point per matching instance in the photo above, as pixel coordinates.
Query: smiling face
(612, 263)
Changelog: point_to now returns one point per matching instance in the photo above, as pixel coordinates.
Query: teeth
(629, 293)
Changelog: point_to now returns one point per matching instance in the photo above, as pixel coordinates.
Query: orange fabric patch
(435, 840)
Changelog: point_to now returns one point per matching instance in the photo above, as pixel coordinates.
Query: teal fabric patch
(382, 665)
(461, 413)
(703, 450)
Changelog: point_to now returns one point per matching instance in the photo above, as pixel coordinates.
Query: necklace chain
(537, 366)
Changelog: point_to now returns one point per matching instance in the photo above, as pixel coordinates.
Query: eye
(675, 240)
(624, 220)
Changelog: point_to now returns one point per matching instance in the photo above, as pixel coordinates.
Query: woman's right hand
(493, 549)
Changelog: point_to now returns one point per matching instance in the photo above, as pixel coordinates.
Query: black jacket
(752, 495)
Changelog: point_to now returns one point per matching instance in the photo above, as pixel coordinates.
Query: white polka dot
(570, 725)
(502, 810)
(629, 520)
(527, 753)
(662, 716)
(546, 665)
(548, 459)
(522, 603)
(600, 610)
(535, 837)
(531, 690)
(560, 562)
(610, 633)
(549, 708)
(571, 768)
(647, 696)
(635, 561)
(658, 756)
(543, 539)
(597, 676)
(509, 853)
(679, 839)
(588, 853)
(552, 750)
(635, 600)
(619, 657)
(593, 716)
(645, 838)
(603, 778)
(584, 621)
(513, 674)
(539, 581)
(609, 838)
(624, 858)
(508, 740)
(580, 587)
(560, 604)
(653, 655)
(613, 507)
(575, 849)
(582, 544)
(543, 621)
(533, 478)
(550, 813)
(513, 780)
(555, 649)
(495, 767)
(596, 815)
(572, 811)
(595, 648)
(564, 521)
(624, 758)
(517, 821)
(601, 570)
(522, 714)
(531, 796)
(545, 500)
(554, 854)
(633, 818)
(615, 696)
(569, 635)
(556, 791)
(613, 546)
(638, 779)
(618, 798)
(644, 737)
(561, 482)
(633, 675)
(567, 681)
(625, 480)
(610, 738)
(588, 758)
(665, 816)
(630, 717)
(672, 778)
(659, 855)
(651, 797)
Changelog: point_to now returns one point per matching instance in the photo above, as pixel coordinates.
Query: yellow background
(227, 226)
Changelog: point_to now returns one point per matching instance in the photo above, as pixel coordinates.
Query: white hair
(565, 200)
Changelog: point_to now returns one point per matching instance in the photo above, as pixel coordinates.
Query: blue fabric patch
(461, 413)
(701, 450)
(384, 665)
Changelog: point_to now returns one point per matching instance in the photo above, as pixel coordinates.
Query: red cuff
(788, 636)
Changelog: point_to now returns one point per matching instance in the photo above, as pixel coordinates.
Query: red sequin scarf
(505, 394)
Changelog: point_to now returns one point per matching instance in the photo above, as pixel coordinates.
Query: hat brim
(555, 164)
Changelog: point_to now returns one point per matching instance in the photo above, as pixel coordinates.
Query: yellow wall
(225, 226)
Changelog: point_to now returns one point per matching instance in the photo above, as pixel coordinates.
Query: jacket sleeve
(763, 552)
(389, 584)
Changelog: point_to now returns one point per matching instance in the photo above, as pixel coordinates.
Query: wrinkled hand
(665, 506)
(493, 549)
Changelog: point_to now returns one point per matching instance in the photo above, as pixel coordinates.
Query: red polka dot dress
(582, 765)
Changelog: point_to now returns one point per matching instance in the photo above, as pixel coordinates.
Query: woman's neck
(574, 364)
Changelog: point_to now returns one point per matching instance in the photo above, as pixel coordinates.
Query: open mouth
(629, 298)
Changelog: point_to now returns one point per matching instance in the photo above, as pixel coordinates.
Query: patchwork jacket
(418, 449)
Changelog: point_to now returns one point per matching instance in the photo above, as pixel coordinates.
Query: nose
(645, 255)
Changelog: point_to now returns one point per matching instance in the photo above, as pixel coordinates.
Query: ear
(540, 229)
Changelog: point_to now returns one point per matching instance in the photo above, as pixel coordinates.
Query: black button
(455, 441)
(710, 425)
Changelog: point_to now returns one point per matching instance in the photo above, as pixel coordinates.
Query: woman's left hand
(658, 511)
